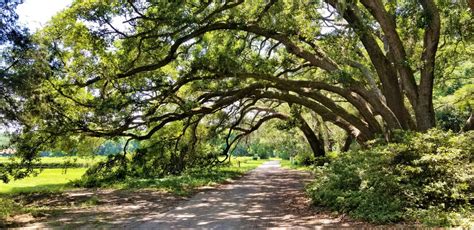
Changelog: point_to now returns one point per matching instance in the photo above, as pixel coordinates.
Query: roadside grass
(187, 183)
(9, 207)
(287, 164)
(57, 179)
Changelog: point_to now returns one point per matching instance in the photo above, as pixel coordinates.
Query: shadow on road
(269, 196)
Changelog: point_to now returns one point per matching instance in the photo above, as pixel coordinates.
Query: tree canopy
(185, 75)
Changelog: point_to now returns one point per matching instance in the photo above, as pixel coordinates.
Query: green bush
(449, 118)
(305, 158)
(261, 150)
(420, 177)
(155, 161)
(284, 155)
(264, 155)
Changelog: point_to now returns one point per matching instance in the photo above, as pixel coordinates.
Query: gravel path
(267, 197)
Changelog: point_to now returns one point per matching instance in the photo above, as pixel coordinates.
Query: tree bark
(469, 123)
(362, 134)
(471, 5)
(385, 70)
(316, 144)
(387, 23)
(424, 111)
(347, 143)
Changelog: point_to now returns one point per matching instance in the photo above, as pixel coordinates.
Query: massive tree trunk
(424, 110)
(316, 144)
(392, 69)
(385, 70)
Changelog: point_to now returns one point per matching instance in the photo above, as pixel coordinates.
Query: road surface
(267, 197)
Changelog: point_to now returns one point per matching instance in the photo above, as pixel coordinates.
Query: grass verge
(287, 164)
(187, 183)
(8, 207)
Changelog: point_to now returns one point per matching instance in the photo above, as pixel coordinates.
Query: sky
(35, 13)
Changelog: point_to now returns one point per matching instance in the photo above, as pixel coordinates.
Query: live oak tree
(188, 72)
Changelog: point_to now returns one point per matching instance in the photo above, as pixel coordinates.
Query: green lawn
(49, 180)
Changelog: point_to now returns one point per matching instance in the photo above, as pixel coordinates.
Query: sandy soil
(86, 209)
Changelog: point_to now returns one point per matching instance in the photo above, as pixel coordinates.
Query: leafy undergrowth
(185, 184)
(421, 177)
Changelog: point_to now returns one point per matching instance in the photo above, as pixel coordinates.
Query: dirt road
(268, 196)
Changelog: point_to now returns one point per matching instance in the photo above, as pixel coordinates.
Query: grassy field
(49, 180)
(60, 160)
(54, 180)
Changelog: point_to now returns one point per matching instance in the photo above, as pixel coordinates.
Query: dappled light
(267, 197)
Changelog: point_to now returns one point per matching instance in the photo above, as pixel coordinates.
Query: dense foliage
(456, 106)
(182, 85)
(425, 177)
(184, 75)
(10, 31)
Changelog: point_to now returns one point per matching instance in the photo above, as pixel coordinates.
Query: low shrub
(261, 150)
(8, 207)
(305, 158)
(264, 155)
(284, 155)
(420, 177)
(155, 160)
